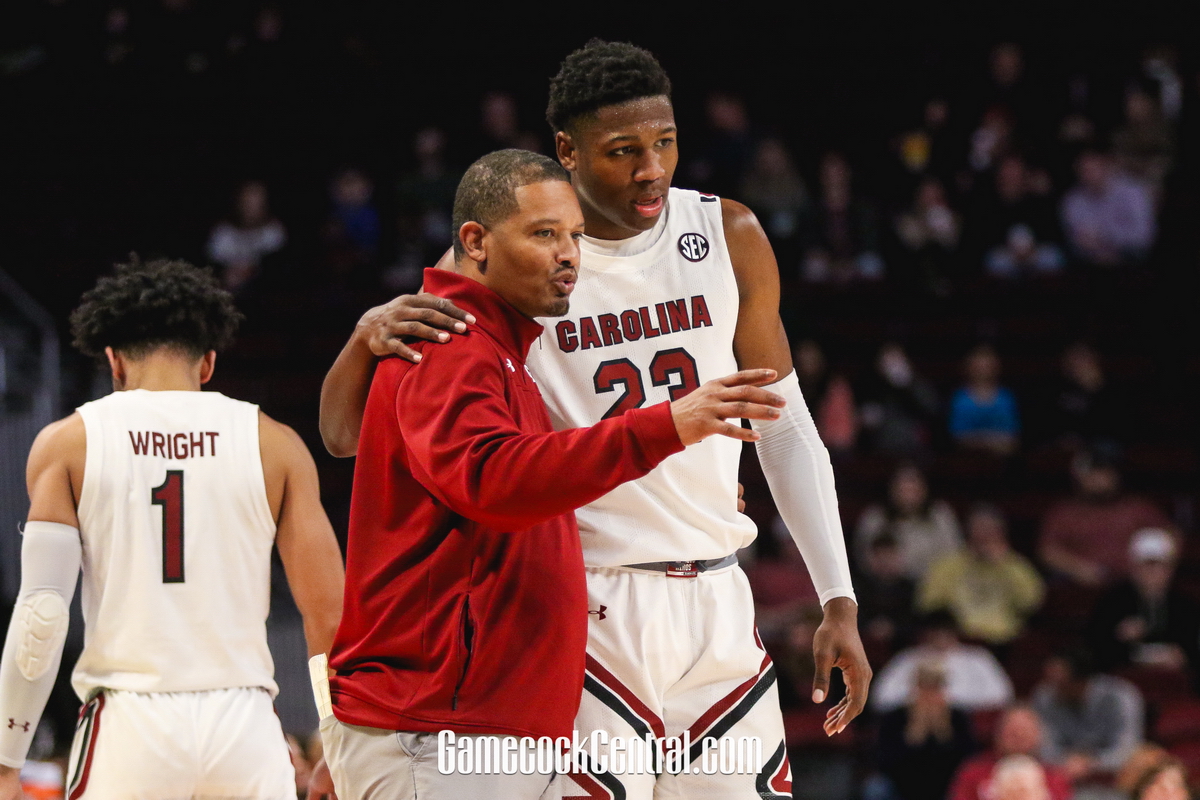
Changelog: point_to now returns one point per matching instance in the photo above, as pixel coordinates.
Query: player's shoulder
(739, 221)
(63, 439)
(275, 435)
(66, 432)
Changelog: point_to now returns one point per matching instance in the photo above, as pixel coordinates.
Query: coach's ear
(564, 148)
(474, 241)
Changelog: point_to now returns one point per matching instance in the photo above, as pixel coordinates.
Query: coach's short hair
(602, 74)
(487, 193)
(160, 303)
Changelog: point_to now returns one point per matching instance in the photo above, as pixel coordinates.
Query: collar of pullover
(493, 314)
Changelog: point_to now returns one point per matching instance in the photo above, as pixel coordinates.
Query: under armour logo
(12, 723)
(599, 614)
(511, 368)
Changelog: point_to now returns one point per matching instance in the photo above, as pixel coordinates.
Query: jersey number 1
(170, 496)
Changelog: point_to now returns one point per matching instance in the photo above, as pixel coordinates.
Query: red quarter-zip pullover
(466, 607)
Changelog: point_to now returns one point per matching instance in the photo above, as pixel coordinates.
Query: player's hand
(704, 412)
(10, 783)
(741, 498)
(836, 644)
(424, 316)
(320, 786)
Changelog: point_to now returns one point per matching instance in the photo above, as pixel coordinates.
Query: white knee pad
(41, 619)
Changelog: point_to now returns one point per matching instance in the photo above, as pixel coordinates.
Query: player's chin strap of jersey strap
(796, 464)
(50, 557)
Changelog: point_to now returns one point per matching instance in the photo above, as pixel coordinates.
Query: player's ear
(564, 148)
(117, 365)
(207, 365)
(473, 237)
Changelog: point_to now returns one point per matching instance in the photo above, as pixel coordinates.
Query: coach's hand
(423, 316)
(320, 786)
(836, 644)
(704, 412)
(10, 783)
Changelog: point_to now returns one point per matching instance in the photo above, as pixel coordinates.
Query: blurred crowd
(1022, 537)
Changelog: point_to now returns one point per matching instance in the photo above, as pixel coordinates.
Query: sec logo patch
(693, 246)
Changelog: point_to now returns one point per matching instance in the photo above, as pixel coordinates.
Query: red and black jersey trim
(726, 712)
(605, 687)
(775, 780)
(88, 728)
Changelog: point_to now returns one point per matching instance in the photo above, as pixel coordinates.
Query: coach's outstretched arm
(51, 554)
(797, 466)
(465, 446)
(380, 332)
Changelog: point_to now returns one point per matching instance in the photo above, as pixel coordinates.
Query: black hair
(160, 303)
(1079, 660)
(487, 193)
(602, 74)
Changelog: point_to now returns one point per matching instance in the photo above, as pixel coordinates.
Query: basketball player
(675, 288)
(170, 499)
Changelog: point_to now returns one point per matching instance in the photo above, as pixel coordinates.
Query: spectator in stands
(352, 232)
(1086, 538)
(1093, 722)
(1145, 619)
(1108, 216)
(924, 740)
(1144, 145)
(774, 190)
(793, 655)
(988, 587)
(1012, 227)
(426, 199)
(929, 149)
(1018, 778)
(924, 529)
(1018, 733)
(1084, 406)
(928, 232)
(885, 598)
(974, 678)
(983, 414)
(899, 405)
(841, 240)
(1166, 780)
(727, 146)
(239, 245)
(829, 397)
(500, 127)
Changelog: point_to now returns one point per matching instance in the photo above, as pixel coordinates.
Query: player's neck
(159, 372)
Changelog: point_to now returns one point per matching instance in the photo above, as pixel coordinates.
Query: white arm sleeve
(51, 554)
(800, 474)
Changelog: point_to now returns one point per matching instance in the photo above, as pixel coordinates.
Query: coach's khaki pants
(374, 764)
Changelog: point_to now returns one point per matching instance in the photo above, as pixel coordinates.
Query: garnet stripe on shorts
(89, 722)
(605, 687)
(725, 713)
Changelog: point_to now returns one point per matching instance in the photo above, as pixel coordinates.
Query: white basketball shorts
(224, 743)
(677, 660)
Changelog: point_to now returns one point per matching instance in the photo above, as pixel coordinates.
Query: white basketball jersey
(652, 317)
(177, 536)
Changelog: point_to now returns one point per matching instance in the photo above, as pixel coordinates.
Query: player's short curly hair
(602, 74)
(160, 303)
